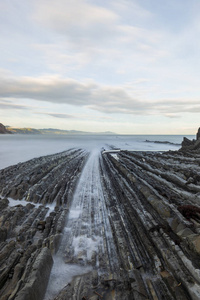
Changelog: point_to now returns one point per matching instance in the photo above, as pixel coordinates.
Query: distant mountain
(60, 131)
(50, 131)
(3, 129)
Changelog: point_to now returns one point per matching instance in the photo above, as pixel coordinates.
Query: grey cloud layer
(107, 99)
(101, 98)
(58, 115)
(6, 105)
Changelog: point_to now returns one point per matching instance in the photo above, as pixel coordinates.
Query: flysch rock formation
(30, 234)
(133, 220)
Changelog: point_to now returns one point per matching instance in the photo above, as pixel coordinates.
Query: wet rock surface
(132, 225)
(30, 232)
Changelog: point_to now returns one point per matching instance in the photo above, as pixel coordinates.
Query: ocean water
(19, 148)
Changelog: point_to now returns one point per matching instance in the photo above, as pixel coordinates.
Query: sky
(126, 66)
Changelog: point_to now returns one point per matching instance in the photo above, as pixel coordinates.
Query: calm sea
(19, 148)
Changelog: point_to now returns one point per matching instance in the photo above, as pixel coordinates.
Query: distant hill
(24, 130)
(49, 131)
(60, 131)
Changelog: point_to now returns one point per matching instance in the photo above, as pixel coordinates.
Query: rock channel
(138, 226)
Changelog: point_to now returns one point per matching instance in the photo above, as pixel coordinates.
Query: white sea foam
(13, 202)
(87, 244)
(74, 213)
(51, 208)
(115, 156)
(61, 275)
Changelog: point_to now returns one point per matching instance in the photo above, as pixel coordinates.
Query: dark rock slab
(36, 283)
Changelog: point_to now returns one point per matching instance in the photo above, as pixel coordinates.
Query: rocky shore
(138, 226)
(30, 234)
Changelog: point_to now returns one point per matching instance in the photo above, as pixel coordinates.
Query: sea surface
(17, 148)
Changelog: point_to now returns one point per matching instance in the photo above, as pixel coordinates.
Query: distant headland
(13, 130)
(4, 130)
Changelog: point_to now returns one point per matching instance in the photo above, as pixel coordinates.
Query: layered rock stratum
(130, 220)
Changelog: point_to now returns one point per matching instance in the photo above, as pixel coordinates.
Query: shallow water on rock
(14, 202)
(82, 239)
(61, 275)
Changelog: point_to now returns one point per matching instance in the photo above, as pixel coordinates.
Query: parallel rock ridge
(147, 211)
(27, 230)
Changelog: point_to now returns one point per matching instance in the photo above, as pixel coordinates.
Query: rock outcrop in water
(162, 142)
(191, 145)
(138, 227)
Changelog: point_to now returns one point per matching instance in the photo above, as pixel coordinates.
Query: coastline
(128, 222)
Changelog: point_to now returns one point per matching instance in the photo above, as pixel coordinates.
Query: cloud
(68, 91)
(9, 105)
(47, 88)
(172, 116)
(94, 30)
(77, 20)
(103, 98)
(130, 7)
(57, 57)
(65, 14)
(57, 115)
